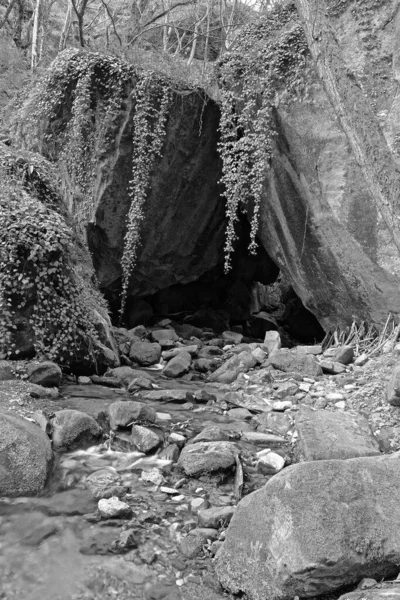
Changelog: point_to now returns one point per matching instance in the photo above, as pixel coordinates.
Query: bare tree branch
(112, 20)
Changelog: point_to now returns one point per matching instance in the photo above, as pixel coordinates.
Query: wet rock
(153, 476)
(6, 372)
(333, 522)
(170, 452)
(293, 361)
(269, 463)
(165, 337)
(100, 481)
(113, 508)
(127, 540)
(213, 433)
(325, 435)
(207, 457)
(26, 455)
(178, 366)
(47, 374)
(124, 413)
(231, 337)
(344, 355)
(73, 428)
(144, 439)
(230, 370)
(393, 387)
(145, 353)
(216, 517)
(274, 422)
(272, 341)
(281, 405)
(187, 331)
(167, 355)
(210, 352)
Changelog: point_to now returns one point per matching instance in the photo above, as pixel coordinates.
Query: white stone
(259, 355)
(176, 438)
(334, 397)
(197, 504)
(163, 416)
(361, 360)
(270, 463)
(113, 507)
(168, 490)
(340, 405)
(281, 405)
(305, 387)
(272, 341)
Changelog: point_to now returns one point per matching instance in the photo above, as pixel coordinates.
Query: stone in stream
(144, 439)
(235, 365)
(191, 546)
(313, 528)
(178, 396)
(145, 353)
(263, 439)
(168, 354)
(393, 387)
(331, 367)
(47, 374)
(294, 361)
(100, 481)
(113, 508)
(178, 366)
(124, 413)
(325, 435)
(207, 457)
(170, 452)
(287, 388)
(26, 455)
(73, 428)
(139, 383)
(203, 365)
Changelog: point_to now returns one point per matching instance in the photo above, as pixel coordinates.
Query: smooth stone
(272, 341)
(215, 517)
(178, 366)
(101, 480)
(235, 365)
(293, 361)
(344, 355)
(145, 353)
(144, 439)
(47, 374)
(269, 463)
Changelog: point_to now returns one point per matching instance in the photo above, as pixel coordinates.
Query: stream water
(53, 547)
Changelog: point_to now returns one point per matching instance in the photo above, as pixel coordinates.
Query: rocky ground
(151, 460)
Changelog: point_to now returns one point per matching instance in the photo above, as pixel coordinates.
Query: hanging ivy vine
(78, 105)
(269, 57)
(152, 99)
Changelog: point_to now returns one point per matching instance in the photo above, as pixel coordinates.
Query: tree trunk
(354, 112)
(35, 37)
(65, 30)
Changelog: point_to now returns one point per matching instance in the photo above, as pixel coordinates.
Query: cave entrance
(252, 298)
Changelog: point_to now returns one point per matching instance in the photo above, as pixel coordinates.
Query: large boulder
(207, 457)
(313, 528)
(47, 374)
(145, 353)
(73, 428)
(293, 360)
(25, 456)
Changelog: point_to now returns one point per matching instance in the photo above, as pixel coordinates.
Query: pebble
(269, 463)
(153, 476)
(198, 504)
(281, 405)
(334, 397)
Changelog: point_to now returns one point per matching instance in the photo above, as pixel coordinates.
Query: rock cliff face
(182, 235)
